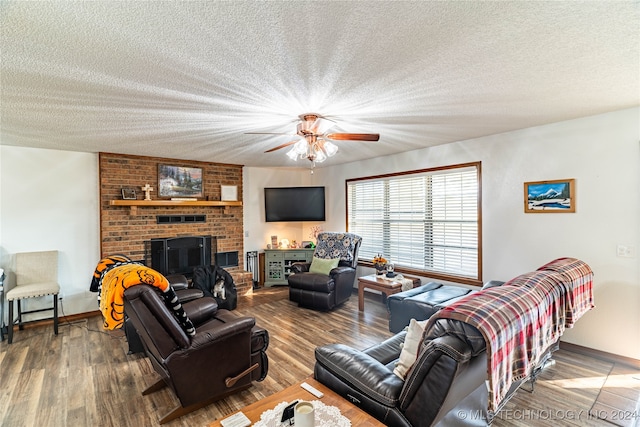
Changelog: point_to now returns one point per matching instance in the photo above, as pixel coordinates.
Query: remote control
(236, 420)
(317, 393)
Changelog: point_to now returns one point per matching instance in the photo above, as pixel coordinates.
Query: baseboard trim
(598, 354)
(61, 319)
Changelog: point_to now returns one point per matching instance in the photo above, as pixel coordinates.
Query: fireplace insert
(180, 255)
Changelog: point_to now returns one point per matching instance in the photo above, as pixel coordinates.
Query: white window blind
(427, 220)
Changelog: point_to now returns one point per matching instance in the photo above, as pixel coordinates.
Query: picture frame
(229, 193)
(128, 193)
(556, 196)
(179, 181)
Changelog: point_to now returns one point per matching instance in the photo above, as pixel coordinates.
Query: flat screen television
(294, 204)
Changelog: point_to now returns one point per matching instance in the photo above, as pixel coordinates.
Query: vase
(381, 269)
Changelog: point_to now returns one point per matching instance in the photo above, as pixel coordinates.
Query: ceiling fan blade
(353, 136)
(268, 133)
(286, 144)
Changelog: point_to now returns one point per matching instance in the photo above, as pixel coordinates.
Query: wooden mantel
(133, 204)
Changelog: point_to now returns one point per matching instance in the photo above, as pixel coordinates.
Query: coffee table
(380, 283)
(356, 415)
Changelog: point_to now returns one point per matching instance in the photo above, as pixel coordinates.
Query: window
(425, 221)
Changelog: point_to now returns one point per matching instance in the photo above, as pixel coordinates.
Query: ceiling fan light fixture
(301, 146)
(319, 156)
(330, 148)
(315, 144)
(293, 154)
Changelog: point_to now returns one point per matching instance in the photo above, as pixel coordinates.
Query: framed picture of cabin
(557, 196)
(179, 181)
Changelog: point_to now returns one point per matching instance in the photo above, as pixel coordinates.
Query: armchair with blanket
(460, 366)
(328, 280)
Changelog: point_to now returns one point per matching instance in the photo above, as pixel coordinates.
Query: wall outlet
(626, 251)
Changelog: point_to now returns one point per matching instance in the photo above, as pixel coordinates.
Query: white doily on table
(325, 416)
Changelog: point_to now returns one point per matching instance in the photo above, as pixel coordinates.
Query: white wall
(257, 231)
(49, 200)
(603, 154)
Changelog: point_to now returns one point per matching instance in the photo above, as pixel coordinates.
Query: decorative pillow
(410, 347)
(323, 266)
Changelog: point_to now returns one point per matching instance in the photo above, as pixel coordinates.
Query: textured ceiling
(186, 80)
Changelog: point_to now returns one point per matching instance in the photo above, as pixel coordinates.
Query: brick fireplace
(124, 230)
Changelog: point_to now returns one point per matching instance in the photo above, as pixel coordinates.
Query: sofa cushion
(323, 266)
(410, 347)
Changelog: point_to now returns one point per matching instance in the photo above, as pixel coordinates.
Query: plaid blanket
(578, 283)
(521, 319)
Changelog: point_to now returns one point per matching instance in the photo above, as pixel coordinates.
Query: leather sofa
(449, 383)
(326, 291)
(223, 356)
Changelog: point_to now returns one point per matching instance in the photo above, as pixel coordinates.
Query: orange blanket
(114, 283)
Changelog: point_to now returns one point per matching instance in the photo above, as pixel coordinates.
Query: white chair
(36, 276)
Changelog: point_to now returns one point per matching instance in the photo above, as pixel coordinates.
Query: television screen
(294, 204)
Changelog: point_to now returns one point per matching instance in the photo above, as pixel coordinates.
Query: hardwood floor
(84, 376)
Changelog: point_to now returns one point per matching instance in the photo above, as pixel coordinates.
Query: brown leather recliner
(185, 294)
(224, 356)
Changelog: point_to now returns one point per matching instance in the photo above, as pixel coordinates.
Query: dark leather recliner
(185, 294)
(321, 291)
(224, 356)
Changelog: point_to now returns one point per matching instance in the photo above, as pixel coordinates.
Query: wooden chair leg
(10, 325)
(20, 326)
(55, 314)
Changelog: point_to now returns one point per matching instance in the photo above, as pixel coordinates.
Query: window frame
(428, 273)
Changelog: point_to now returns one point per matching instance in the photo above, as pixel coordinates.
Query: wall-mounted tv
(294, 204)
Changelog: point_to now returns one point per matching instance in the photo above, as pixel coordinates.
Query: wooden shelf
(134, 204)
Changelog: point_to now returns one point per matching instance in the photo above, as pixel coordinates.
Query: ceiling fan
(315, 143)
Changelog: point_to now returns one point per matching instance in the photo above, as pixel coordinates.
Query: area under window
(426, 221)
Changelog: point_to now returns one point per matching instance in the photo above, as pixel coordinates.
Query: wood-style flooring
(84, 376)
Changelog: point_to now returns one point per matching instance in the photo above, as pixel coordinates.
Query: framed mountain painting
(556, 196)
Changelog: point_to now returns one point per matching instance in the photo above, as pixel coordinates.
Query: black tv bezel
(294, 203)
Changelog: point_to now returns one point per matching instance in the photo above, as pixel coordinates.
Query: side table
(381, 284)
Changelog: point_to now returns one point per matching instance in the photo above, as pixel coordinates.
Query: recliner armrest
(362, 372)
(201, 309)
(215, 331)
(339, 270)
(178, 281)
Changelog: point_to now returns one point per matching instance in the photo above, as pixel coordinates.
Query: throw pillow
(410, 347)
(323, 266)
